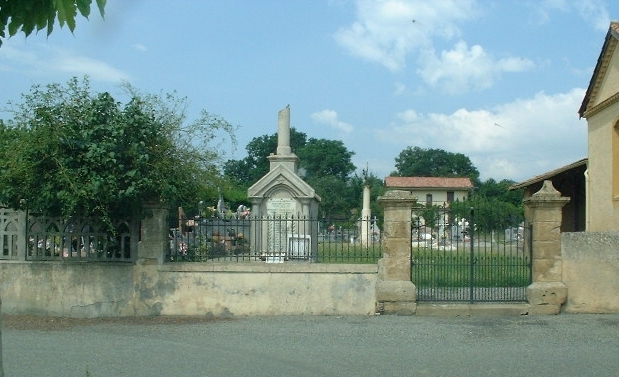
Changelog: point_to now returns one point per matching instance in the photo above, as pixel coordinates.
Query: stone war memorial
(285, 204)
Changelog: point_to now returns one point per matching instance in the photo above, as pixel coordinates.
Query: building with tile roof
(432, 189)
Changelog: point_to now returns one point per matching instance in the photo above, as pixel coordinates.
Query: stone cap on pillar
(547, 194)
(397, 197)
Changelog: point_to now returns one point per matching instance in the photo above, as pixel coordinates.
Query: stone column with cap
(395, 292)
(547, 291)
(284, 155)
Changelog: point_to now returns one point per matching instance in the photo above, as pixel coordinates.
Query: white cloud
(516, 140)
(95, 69)
(400, 89)
(387, 31)
(457, 70)
(330, 117)
(140, 47)
(593, 12)
(46, 60)
(390, 32)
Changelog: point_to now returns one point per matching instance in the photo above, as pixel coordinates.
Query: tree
(500, 190)
(322, 157)
(420, 162)
(250, 169)
(70, 152)
(28, 15)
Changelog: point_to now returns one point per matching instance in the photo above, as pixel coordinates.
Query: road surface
(564, 345)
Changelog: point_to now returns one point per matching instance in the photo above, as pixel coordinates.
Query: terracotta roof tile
(429, 182)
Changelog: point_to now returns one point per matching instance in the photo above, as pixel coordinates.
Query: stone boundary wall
(148, 286)
(88, 290)
(591, 271)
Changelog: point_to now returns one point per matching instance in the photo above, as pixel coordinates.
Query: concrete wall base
(547, 293)
(544, 309)
(398, 308)
(546, 298)
(472, 310)
(396, 297)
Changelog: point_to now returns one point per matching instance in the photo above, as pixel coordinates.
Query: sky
(499, 81)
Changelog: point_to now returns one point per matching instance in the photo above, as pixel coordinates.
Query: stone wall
(151, 287)
(87, 290)
(591, 271)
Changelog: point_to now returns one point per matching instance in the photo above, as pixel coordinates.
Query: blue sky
(499, 81)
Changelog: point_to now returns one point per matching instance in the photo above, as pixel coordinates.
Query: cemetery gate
(471, 251)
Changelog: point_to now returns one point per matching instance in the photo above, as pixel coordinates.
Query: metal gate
(472, 251)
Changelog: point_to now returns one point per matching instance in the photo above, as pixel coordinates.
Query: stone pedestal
(395, 292)
(543, 209)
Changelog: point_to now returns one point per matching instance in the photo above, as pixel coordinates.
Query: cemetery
(277, 258)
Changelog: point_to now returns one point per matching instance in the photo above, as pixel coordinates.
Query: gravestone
(284, 206)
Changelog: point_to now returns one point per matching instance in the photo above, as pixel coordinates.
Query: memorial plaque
(280, 211)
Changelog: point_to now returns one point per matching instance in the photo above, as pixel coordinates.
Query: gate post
(547, 292)
(395, 292)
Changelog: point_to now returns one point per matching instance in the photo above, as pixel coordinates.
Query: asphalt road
(563, 345)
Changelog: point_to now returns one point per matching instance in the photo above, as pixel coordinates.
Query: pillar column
(366, 221)
(547, 291)
(154, 240)
(395, 292)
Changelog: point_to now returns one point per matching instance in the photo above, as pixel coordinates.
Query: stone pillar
(283, 132)
(154, 241)
(395, 292)
(366, 218)
(22, 234)
(547, 292)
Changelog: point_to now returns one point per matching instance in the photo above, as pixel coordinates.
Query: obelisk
(366, 214)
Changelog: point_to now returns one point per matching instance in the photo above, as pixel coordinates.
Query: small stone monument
(285, 204)
(366, 216)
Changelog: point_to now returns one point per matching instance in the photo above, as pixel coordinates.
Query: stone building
(432, 189)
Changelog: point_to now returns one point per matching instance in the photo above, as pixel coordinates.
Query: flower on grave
(210, 212)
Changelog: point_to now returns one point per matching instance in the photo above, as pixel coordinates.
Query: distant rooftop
(429, 183)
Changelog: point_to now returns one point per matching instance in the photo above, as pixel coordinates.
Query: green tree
(324, 164)
(500, 190)
(322, 157)
(69, 152)
(30, 15)
(420, 162)
(247, 171)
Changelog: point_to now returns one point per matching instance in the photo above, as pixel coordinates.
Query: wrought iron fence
(276, 239)
(76, 239)
(9, 229)
(472, 251)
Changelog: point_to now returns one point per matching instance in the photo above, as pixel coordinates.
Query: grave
(285, 206)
